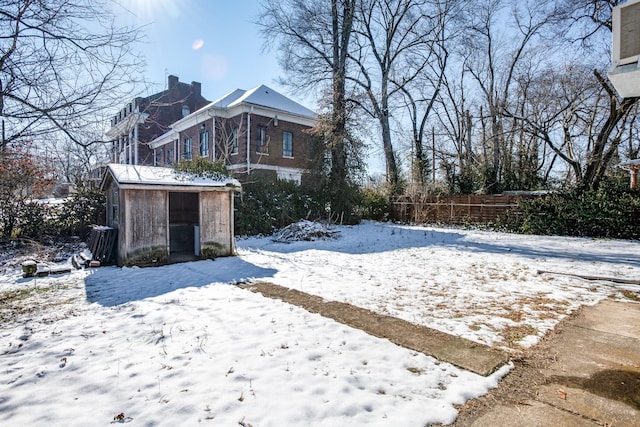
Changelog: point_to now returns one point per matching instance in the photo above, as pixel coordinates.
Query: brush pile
(305, 231)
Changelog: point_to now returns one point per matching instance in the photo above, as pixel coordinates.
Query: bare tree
(421, 93)
(228, 135)
(572, 108)
(394, 46)
(314, 39)
(454, 121)
(496, 58)
(23, 175)
(61, 63)
(588, 16)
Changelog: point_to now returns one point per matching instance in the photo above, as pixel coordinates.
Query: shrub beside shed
(164, 216)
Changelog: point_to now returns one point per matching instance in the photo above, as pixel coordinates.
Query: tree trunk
(601, 154)
(339, 185)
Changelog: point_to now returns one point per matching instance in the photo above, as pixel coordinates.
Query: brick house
(257, 131)
(145, 118)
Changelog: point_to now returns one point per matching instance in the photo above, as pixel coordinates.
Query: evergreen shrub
(609, 211)
(266, 205)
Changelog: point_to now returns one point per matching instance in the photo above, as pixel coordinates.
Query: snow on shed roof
(262, 96)
(153, 175)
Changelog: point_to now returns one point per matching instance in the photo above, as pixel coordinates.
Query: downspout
(135, 138)
(213, 137)
(129, 148)
(175, 149)
(249, 141)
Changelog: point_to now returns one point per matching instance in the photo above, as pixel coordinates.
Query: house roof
(169, 136)
(267, 102)
(139, 175)
(262, 96)
(227, 99)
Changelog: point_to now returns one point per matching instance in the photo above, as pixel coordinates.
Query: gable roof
(266, 97)
(266, 100)
(262, 96)
(130, 176)
(227, 99)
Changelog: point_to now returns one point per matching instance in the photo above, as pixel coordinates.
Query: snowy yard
(181, 345)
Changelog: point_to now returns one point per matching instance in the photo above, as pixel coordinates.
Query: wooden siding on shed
(215, 219)
(144, 217)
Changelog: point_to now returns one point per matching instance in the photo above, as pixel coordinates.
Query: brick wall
(271, 157)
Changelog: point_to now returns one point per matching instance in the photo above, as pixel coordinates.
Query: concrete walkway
(460, 352)
(593, 379)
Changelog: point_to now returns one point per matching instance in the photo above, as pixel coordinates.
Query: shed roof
(139, 175)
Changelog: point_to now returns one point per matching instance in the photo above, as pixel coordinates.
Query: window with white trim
(188, 149)
(262, 140)
(287, 144)
(234, 140)
(204, 143)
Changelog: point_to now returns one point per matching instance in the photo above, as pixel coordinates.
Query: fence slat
(478, 209)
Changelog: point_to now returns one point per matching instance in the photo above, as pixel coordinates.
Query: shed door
(184, 217)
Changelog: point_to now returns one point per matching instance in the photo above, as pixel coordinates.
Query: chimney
(197, 88)
(173, 82)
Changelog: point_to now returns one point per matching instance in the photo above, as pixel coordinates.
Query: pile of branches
(305, 231)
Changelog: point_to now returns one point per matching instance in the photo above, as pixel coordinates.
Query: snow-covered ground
(181, 345)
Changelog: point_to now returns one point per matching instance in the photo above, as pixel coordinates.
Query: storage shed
(164, 216)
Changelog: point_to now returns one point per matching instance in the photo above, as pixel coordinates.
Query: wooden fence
(477, 209)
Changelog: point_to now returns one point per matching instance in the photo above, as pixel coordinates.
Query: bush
(269, 204)
(80, 211)
(73, 217)
(36, 220)
(374, 204)
(610, 211)
(203, 167)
